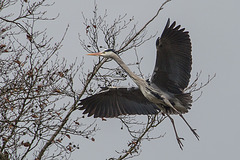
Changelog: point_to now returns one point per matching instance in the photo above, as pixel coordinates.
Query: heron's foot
(193, 130)
(179, 140)
(195, 133)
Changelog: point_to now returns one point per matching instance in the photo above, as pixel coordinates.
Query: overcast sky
(214, 31)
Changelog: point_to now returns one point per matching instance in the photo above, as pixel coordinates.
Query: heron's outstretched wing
(112, 102)
(174, 60)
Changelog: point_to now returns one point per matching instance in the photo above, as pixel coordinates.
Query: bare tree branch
(37, 88)
(144, 27)
(134, 145)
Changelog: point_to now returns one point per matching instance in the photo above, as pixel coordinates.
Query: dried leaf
(68, 136)
(61, 74)
(87, 29)
(39, 87)
(69, 148)
(34, 116)
(57, 90)
(29, 37)
(26, 144)
(30, 73)
(6, 99)
(11, 125)
(76, 122)
(4, 139)
(3, 30)
(58, 113)
(17, 61)
(2, 46)
(132, 143)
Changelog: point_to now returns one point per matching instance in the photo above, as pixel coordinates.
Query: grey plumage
(111, 102)
(164, 92)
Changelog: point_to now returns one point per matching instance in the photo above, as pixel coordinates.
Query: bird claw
(179, 140)
(193, 130)
(195, 133)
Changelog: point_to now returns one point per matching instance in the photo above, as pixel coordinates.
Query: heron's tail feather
(181, 105)
(186, 99)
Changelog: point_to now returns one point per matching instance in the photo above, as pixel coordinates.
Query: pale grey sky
(214, 31)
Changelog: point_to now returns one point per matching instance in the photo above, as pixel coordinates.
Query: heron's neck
(133, 76)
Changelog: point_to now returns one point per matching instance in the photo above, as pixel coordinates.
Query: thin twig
(95, 70)
(145, 26)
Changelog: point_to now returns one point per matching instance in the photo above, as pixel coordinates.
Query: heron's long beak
(95, 54)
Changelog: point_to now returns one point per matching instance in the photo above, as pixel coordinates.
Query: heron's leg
(180, 114)
(175, 130)
(193, 130)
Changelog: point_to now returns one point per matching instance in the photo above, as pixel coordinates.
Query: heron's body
(165, 91)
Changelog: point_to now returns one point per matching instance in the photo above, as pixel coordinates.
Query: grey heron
(163, 93)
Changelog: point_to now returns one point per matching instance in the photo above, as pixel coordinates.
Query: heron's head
(107, 53)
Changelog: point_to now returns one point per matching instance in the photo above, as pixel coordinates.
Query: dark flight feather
(174, 60)
(112, 102)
